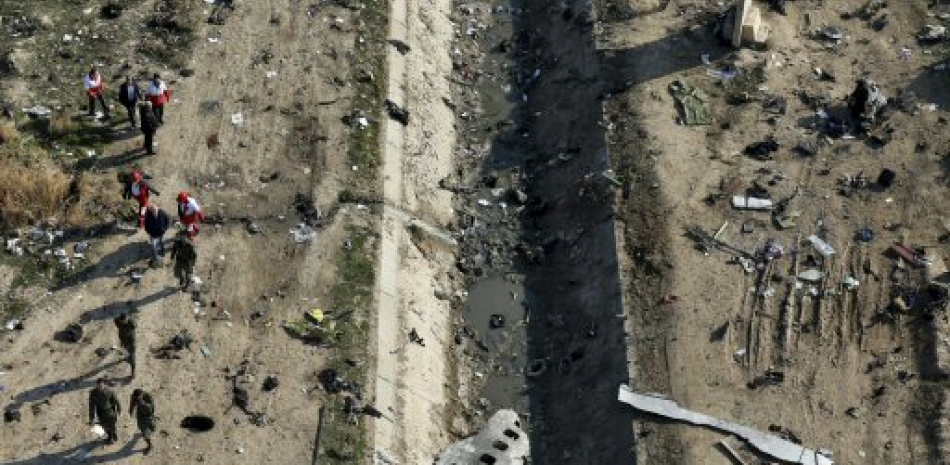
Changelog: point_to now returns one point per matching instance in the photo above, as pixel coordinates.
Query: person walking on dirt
(158, 94)
(156, 224)
(185, 256)
(139, 190)
(189, 213)
(149, 127)
(104, 409)
(143, 408)
(95, 89)
(129, 96)
(126, 326)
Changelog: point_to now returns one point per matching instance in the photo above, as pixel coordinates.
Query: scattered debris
(303, 233)
(397, 113)
(401, 47)
(415, 338)
(270, 383)
(501, 441)
(866, 102)
(333, 383)
(496, 321)
(778, 448)
(821, 246)
(751, 203)
(762, 150)
(932, 34)
(691, 103)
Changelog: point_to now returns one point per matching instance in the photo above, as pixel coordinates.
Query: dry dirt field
(859, 371)
(527, 223)
(295, 72)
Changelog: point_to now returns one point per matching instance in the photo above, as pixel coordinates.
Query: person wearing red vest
(189, 213)
(139, 190)
(95, 89)
(159, 95)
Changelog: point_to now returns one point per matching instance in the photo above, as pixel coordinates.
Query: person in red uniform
(159, 95)
(95, 89)
(139, 190)
(189, 213)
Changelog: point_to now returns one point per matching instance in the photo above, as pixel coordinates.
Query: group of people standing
(148, 106)
(156, 222)
(145, 110)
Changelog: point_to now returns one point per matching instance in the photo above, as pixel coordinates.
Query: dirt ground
(544, 175)
(858, 379)
(285, 66)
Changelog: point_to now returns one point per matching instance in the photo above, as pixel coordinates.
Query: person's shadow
(108, 266)
(80, 454)
(85, 381)
(112, 310)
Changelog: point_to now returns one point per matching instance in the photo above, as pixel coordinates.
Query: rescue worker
(189, 213)
(104, 409)
(138, 189)
(158, 94)
(95, 89)
(185, 256)
(156, 224)
(143, 408)
(126, 326)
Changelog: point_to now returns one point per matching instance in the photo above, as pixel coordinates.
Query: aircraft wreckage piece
(501, 441)
(766, 443)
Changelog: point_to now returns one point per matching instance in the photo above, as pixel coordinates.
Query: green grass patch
(369, 78)
(352, 298)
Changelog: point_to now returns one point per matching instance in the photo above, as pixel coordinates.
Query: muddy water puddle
(497, 310)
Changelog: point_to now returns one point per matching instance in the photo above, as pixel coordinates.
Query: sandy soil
(416, 251)
(243, 272)
(832, 396)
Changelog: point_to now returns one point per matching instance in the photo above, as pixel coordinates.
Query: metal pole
(316, 442)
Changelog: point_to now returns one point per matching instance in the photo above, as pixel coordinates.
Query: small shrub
(8, 132)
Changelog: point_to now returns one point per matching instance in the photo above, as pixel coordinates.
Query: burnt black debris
(397, 112)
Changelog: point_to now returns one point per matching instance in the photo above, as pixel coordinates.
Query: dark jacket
(124, 97)
(184, 253)
(156, 225)
(126, 332)
(103, 405)
(149, 121)
(143, 408)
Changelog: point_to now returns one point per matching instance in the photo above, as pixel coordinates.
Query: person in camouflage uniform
(143, 408)
(126, 326)
(185, 256)
(104, 408)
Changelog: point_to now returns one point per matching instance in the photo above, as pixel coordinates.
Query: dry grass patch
(30, 192)
(8, 132)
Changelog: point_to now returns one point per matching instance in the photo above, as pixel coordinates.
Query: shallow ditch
(543, 326)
